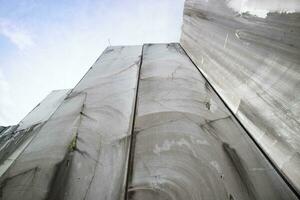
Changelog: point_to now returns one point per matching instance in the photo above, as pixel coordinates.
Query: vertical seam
(133, 133)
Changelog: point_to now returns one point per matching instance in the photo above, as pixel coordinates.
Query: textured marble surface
(254, 64)
(187, 145)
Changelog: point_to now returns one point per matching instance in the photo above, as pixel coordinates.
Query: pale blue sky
(50, 44)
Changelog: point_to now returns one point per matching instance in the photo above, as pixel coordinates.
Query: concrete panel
(187, 145)
(254, 64)
(44, 110)
(99, 166)
(14, 139)
(35, 171)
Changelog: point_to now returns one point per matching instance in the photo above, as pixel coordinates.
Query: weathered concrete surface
(253, 63)
(9, 141)
(44, 110)
(99, 166)
(187, 145)
(34, 171)
(14, 139)
(81, 152)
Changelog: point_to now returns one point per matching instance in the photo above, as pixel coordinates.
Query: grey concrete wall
(187, 144)
(14, 139)
(99, 165)
(44, 110)
(32, 175)
(81, 152)
(254, 64)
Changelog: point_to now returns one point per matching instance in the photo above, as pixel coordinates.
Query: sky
(47, 45)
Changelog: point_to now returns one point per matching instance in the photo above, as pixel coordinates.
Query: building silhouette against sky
(215, 116)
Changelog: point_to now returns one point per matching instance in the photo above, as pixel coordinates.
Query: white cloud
(18, 36)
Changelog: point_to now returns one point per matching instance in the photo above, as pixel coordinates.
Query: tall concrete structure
(213, 117)
(254, 65)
